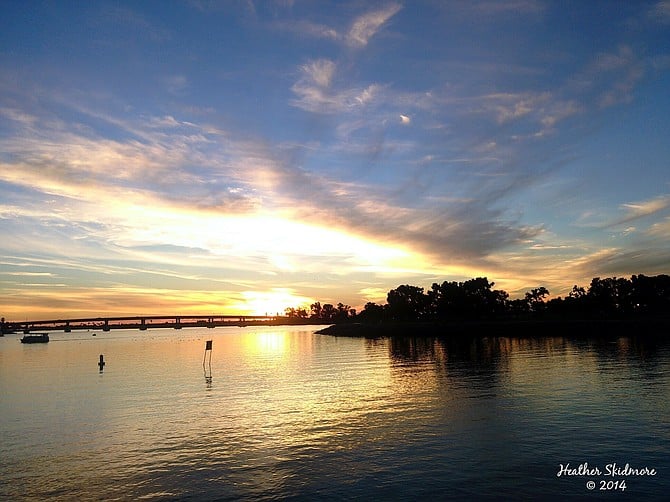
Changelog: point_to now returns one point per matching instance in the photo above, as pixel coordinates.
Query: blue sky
(243, 156)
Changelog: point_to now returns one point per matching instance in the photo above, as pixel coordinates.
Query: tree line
(476, 299)
(326, 312)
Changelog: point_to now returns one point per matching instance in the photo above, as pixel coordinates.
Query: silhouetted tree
(316, 310)
(518, 307)
(574, 306)
(480, 300)
(577, 292)
(610, 296)
(474, 298)
(328, 312)
(535, 299)
(651, 295)
(342, 313)
(446, 299)
(372, 313)
(407, 303)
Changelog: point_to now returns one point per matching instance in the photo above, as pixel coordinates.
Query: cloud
(641, 209)
(357, 36)
(304, 28)
(651, 260)
(315, 92)
(661, 228)
(178, 187)
(647, 207)
(176, 84)
(320, 72)
(25, 119)
(660, 12)
(367, 25)
(461, 231)
(610, 78)
(514, 106)
(312, 88)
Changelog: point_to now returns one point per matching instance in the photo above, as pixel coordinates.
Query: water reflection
(300, 415)
(491, 355)
(480, 362)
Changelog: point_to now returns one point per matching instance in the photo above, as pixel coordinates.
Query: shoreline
(651, 328)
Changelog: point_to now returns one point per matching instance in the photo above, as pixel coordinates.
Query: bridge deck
(144, 322)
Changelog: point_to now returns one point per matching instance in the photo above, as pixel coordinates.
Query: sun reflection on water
(270, 343)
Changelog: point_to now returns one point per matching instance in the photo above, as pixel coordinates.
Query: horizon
(544, 299)
(252, 156)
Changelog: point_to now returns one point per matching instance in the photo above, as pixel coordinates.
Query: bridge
(143, 322)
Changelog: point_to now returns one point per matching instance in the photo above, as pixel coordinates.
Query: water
(283, 413)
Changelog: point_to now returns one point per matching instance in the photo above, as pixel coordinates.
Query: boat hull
(36, 338)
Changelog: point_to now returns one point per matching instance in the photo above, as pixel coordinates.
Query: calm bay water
(285, 413)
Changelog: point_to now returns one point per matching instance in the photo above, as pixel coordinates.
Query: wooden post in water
(208, 348)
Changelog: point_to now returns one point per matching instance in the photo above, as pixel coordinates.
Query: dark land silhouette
(610, 306)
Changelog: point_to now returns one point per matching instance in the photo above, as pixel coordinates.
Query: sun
(272, 302)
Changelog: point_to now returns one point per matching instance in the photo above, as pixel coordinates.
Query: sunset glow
(246, 157)
(269, 302)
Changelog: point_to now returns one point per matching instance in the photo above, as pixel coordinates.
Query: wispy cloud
(661, 228)
(176, 84)
(320, 72)
(314, 92)
(357, 36)
(175, 187)
(645, 208)
(305, 28)
(660, 12)
(367, 25)
(30, 274)
(610, 78)
(619, 262)
(637, 210)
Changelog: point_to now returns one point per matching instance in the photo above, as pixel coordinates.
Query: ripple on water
(287, 413)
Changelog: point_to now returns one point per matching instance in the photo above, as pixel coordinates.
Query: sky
(198, 157)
